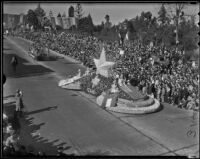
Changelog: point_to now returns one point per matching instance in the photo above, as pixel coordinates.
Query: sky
(117, 11)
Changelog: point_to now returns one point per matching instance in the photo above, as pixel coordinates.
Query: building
(59, 20)
(71, 11)
(62, 21)
(10, 21)
(66, 22)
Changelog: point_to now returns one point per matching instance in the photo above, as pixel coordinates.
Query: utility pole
(176, 23)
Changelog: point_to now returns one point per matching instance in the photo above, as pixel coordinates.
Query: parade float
(111, 92)
(40, 53)
(71, 82)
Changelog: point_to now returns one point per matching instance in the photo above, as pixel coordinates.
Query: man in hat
(19, 102)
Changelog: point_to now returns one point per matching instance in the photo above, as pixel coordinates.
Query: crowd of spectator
(157, 71)
(162, 74)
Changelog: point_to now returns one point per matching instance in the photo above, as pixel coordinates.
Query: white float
(123, 108)
(68, 81)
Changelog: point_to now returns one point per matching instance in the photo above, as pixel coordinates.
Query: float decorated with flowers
(110, 90)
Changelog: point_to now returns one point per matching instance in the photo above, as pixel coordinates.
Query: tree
(176, 12)
(131, 30)
(46, 22)
(79, 11)
(98, 28)
(90, 24)
(59, 15)
(102, 24)
(163, 28)
(107, 17)
(185, 30)
(188, 35)
(40, 13)
(86, 24)
(31, 19)
(162, 15)
(145, 26)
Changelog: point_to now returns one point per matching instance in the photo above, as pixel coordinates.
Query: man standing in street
(14, 63)
(19, 103)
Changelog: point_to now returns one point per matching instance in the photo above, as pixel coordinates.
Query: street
(58, 117)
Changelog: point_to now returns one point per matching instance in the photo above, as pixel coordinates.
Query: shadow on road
(6, 49)
(9, 96)
(31, 138)
(22, 70)
(9, 108)
(41, 110)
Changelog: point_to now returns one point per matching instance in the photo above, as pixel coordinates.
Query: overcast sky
(117, 11)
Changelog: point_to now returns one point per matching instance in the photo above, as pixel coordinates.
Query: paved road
(63, 117)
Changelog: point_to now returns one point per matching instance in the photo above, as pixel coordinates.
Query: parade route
(59, 117)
